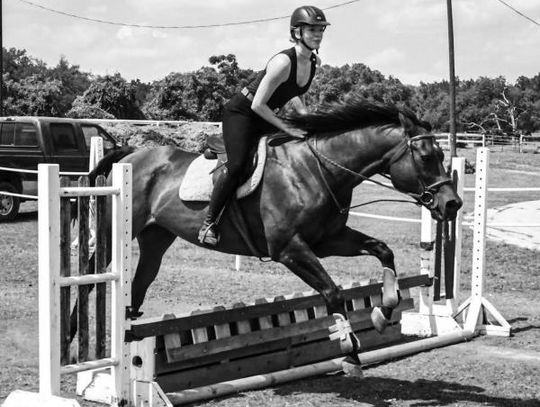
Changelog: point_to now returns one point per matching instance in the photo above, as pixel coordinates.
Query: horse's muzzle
(446, 204)
(451, 208)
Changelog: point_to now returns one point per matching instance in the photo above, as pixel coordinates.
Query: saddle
(198, 182)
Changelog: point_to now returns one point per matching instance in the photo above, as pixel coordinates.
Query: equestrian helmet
(308, 15)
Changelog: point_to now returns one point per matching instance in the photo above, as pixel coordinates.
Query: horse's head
(417, 169)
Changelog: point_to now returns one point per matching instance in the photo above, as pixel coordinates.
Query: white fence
(474, 139)
(520, 143)
(529, 144)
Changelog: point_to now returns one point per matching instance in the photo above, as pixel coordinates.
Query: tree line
(30, 87)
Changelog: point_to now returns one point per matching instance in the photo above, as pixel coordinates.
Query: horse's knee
(335, 300)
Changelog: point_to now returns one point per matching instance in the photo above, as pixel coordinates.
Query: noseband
(426, 198)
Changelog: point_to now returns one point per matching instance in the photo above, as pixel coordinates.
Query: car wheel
(9, 205)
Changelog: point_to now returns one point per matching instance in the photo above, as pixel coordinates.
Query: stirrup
(207, 234)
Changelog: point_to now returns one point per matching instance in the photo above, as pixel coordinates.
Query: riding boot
(224, 187)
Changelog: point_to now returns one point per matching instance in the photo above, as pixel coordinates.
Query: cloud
(386, 57)
(159, 34)
(124, 32)
(417, 14)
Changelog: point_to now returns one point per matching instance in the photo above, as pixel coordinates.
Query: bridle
(426, 198)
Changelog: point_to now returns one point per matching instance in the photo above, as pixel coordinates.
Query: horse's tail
(103, 167)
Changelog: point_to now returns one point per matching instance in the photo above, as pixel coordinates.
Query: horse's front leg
(300, 259)
(353, 243)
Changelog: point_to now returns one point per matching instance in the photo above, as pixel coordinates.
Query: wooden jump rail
(217, 345)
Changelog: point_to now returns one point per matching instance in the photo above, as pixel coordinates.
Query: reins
(426, 198)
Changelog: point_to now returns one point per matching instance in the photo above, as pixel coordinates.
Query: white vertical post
(238, 262)
(479, 242)
(426, 260)
(121, 289)
(458, 165)
(96, 152)
(49, 275)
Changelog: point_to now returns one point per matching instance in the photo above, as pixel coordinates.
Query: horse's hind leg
(354, 243)
(298, 257)
(154, 241)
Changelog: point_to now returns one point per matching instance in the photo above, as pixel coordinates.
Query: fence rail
(529, 143)
(477, 140)
(156, 123)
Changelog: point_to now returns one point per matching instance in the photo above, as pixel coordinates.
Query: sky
(406, 39)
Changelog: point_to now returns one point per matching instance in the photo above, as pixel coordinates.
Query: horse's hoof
(346, 345)
(390, 297)
(342, 331)
(352, 368)
(379, 320)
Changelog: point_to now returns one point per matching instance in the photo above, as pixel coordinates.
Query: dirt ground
(487, 371)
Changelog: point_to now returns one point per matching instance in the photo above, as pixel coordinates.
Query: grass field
(487, 371)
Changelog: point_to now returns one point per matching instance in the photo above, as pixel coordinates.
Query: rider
(251, 112)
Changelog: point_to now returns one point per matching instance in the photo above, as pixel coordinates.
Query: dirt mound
(190, 136)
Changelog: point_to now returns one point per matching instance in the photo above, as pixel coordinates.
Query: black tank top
(288, 89)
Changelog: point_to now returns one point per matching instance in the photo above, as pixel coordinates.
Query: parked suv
(26, 142)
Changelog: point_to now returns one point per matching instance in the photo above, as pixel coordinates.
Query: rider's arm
(277, 72)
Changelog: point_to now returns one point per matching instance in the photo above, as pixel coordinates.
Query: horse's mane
(351, 114)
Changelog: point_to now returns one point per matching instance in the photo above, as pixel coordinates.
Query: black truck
(26, 142)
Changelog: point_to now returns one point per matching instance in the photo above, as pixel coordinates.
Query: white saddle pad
(197, 183)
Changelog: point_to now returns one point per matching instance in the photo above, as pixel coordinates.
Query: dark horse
(296, 215)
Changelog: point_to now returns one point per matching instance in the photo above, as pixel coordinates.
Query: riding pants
(241, 130)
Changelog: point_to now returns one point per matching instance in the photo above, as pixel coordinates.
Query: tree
(198, 95)
(18, 65)
(114, 95)
(73, 83)
(172, 98)
(333, 84)
(430, 102)
(530, 118)
(32, 96)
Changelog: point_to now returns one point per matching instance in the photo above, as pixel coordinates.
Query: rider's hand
(296, 132)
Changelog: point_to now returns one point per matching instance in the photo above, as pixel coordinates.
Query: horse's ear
(407, 124)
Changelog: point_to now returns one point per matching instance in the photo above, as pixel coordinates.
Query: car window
(25, 135)
(90, 131)
(7, 134)
(63, 137)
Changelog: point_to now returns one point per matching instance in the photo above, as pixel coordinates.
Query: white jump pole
(302, 372)
(477, 304)
(48, 280)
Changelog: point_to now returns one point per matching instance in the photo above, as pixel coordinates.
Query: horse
(299, 211)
